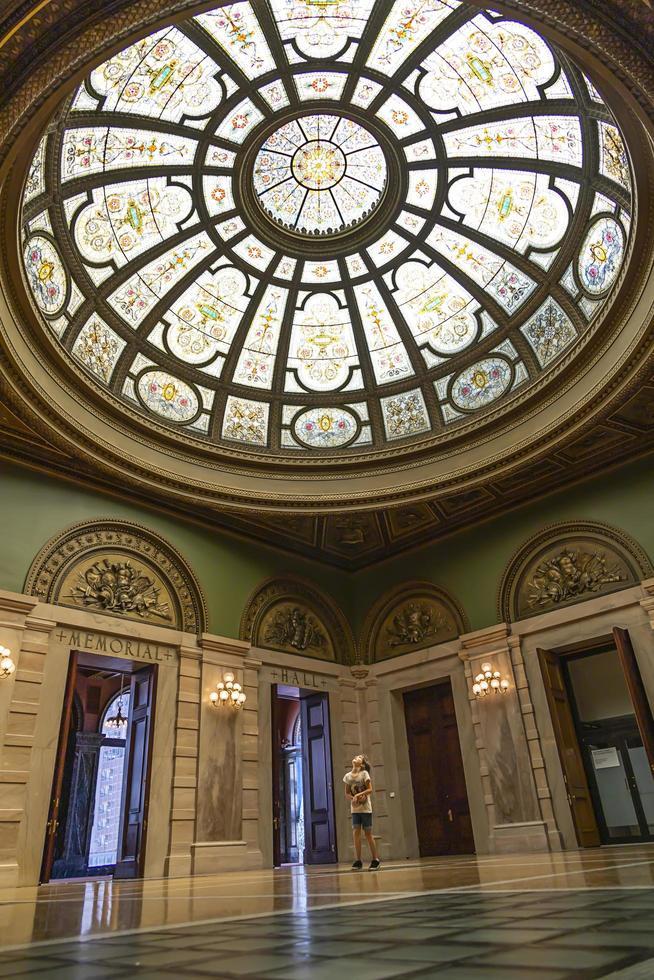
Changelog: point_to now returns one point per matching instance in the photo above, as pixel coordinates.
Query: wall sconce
(489, 681)
(228, 691)
(7, 665)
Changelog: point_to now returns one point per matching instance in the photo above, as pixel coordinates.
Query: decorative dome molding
(166, 219)
(520, 425)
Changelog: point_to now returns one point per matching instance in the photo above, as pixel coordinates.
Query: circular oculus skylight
(304, 228)
(319, 174)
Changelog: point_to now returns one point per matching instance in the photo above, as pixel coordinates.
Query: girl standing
(358, 790)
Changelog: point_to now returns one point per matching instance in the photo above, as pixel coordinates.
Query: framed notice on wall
(605, 758)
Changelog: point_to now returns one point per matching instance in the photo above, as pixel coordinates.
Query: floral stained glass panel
(325, 428)
(378, 188)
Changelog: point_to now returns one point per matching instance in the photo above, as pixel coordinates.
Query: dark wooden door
(276, 779)
(639, 698)
(572, 763)
(60, 765)
(439, 789)
(136, 776)
(319, 830)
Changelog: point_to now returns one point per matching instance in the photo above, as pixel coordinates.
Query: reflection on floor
(575, 915)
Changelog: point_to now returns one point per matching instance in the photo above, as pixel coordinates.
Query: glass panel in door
(644, 781)
(613, 789)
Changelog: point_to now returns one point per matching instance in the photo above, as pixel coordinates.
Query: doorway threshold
(76, 881)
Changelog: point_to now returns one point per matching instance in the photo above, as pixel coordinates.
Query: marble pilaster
(647, 603)
(219, 843)
(510, 795)
(253, 818)
(19, 703)
(185, 763)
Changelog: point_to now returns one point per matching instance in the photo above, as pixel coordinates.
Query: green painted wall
(35, 507)
(471, 563)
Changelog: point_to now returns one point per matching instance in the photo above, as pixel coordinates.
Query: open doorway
(604, 733)
(303, 803)
(98, 809)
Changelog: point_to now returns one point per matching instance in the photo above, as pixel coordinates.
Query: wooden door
(439, 789)
(136, 775)
(276, 779)
(319, 830)
(60, 764)
(639, 698)
(574, 775)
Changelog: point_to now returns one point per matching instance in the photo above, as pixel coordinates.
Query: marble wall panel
(219, 774)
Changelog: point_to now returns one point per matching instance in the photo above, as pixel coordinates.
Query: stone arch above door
(410, 617)
(288, 615)
(120, 569)
(568, 563)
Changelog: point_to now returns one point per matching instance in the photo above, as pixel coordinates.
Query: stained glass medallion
(481, 383)
(325, 226)
(319, 173)
(325, 428)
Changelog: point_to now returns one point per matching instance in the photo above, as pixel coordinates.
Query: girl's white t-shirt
(357, 782)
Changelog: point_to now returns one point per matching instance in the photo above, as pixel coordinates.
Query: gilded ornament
(415, 623)
(121, 569)
(288, 614)
(569, 574)
(297, 629)
(119, 587)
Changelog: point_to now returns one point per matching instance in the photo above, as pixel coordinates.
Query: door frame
(276, 771)
(76, 660)
(48, 858)
(276, 777)
(644, 717)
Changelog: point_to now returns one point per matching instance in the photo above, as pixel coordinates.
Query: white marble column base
(178, 866)
(214, 857)
(512, 838)
(8, 875)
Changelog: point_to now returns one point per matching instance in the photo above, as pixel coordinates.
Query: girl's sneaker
(374, 865)
(357, 865)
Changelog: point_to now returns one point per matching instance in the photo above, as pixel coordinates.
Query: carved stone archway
(122, 569)
(288, 615)
(410, 617)
(568, 563)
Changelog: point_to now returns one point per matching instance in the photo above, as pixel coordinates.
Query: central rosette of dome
(320, 173)
(319, 165)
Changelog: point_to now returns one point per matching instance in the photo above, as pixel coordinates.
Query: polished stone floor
(581, 914)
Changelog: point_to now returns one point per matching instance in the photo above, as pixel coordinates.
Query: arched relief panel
(288, 615)
(411, 617)
(568, 563)
(122, 569)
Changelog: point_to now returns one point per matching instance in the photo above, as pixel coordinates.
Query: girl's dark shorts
(362, 820)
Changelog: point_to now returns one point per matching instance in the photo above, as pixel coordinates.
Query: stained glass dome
(313, 227)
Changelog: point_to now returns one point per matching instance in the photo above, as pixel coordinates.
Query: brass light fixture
(489, 681)
(118, 720)
(228, 691)
(7, 665)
